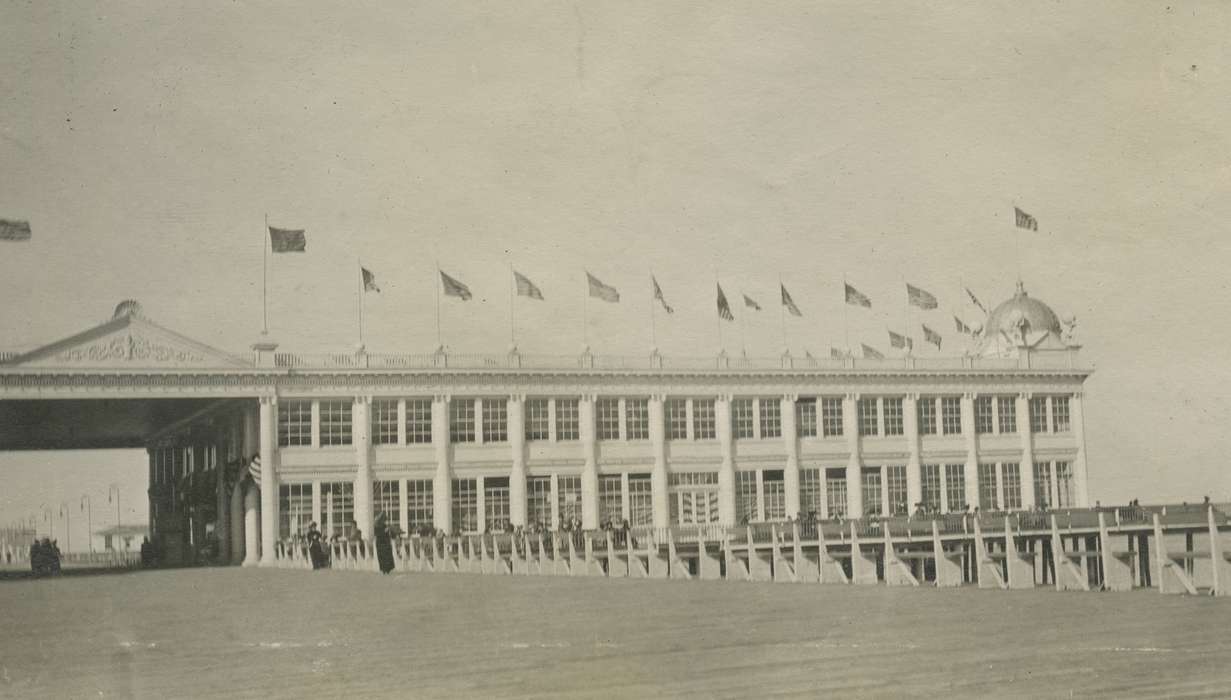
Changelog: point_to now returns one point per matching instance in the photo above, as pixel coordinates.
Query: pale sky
(737, 142)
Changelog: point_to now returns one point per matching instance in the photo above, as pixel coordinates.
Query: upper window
(336, 422)
(608, 411)
(983, 415)
(1006, 407)
(1038, 414)
(538, 419)
(805, 417)
(704, 425)
(461, 420)
(741, 419)
(951, 415)
(893, 415)
(385, 422)
(927, 416)
(1060, 414)
(771, 418)
(418, 421)
(294, 423)
(495, 420)
(677, 418)
(868, 419)
(567, 422)
(831, 416)
(636, 419)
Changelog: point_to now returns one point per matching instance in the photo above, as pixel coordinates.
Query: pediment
(128, 342)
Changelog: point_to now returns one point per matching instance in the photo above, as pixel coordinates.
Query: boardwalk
(272, 633)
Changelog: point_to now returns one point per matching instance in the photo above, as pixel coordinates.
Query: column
(726, 472)
(589, 470)
(1079, 462)
(914, 476)
(269, 479)
(223, 527)
(658, 477)
(403, 507)
(316, 507)
(1026, 468)
(442, 512)
(517, 475)
(361, 428)
(237, 521)
(854, 463)
(252, 525)
(972, 450)
(790, 440)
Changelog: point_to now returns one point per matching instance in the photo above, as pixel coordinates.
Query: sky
(734, 143)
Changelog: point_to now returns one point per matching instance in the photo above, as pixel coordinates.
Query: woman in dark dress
(384, 545)
(316, 550)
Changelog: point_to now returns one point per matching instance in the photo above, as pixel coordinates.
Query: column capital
(911, 396)
(790, 397)
(362, 399)
(269, 399)
(517, 398)
(442, 398)
(852, 396)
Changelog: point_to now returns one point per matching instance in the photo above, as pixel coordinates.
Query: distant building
(123, 538)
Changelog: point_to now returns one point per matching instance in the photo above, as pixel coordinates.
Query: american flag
(724, 309)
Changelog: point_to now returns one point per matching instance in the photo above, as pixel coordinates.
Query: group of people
(45, 557)
(319, 548)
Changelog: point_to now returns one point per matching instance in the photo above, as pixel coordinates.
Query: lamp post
(68, 527)
(115, 488)
(89, 519)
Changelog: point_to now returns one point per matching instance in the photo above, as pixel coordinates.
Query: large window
(418, 421)
(1066, 492)
(871, 483)
(538, 419)
(1006, 407)
(893, 415)
(419, 506)
(771, 418)
(568, 488)
(538, 501)
(987, 488)
(610, 498)
(294, 509)
(465, 504)
(1011, 485)
(1042, 484)
(385, 422)
(895, 482)
(608, 418)
(693, 497)
(835, 492)
(951, 415)
(811, 493)
(774, 490)
(831, 416)
(567, 422)
(869, 421)
(932, 488)
(677, 418)
(927, 416)
(983, 415)
(746, 497)
(741, 419)
(1060, 414)
(636, 419)
(385, 500)
(805, 417)
(640, 500)
(495, 503)
(336, 422)
(461, 420)
(704, 424)
(1038, 414)
(294, 423)
(955, 487)
(495, 420)
(338, 508)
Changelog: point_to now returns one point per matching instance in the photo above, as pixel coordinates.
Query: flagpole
(743, 330)
(721, 349)
(359, 264)
(585, 312)
(439, 342)
(265, 280)
(653, 328)
(782, 313)
(846, 317)
(512, 312)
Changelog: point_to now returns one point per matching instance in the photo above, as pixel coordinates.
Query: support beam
(726, 471)
(360, 435)
(269, 479)
(517, 473)
(442, 499)
(658, 476)
(790, 441)
(589, 467)
(854, 460)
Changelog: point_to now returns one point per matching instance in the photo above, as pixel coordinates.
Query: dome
(128, 307)
(1036, 315)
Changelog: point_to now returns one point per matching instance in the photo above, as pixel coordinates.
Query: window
(746, 497)
(927, 416)
(929, 480)
(418, 421)
(337, 508)
(294, 509)
(608, 419)
(835, 492)
(636, 419)
(495, 503)
(677, 419)
(495, 420)
(741, 418)
(868, 421)
(693, 497)
(419, 506)
(987, 488)
(805, 417)
(538, 419)
(1060, 414)
(385, 500)
(811, 495)
(893, 415)
(1011, 484)
(1007, 408)
(983, 415)
(461, 420)
(538, 501)
(1042, 482)
(1038, 414)
(951, 415)
(831, 416)
(774, 490)
(955, 487)
(294, 423)
(610, 499)
(704, 424)
(871, 482)
(465, 503)
(895, 481)
(771, 418)
(567, 422)
(569, 490)
(640, 500)
(336, 422)
(1066, 495)
(385, 422)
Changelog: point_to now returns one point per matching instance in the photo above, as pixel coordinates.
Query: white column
(480, 505)
(854, 463)
(252, 525)
(237, 522)
(726, 472)
(589, 469)
(442, 515)
(316, 506)
(269, 479)
(972, 450)
(517, 474)
(403, 507)
(1026, 468)
(658, 477)
(790, 440)
(361, 427)
(914, 476)
(1078, 427)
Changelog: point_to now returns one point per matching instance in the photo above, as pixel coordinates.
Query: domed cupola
(1024, 322)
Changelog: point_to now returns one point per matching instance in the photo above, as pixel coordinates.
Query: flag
(369, 280)
(789, 303)
(962, 327)
(871, 353)
(975, 299)
(920, 298)
(454, 288)
(837, 354)
(751, 304)
(285, 240)
(12, 230)
(856, 297)
(658, 295)
(602, 291)
(724, 309)
(525, 287)
(931, 336)
(898, 340)
(1025, 220)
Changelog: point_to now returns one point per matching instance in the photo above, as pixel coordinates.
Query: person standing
(384, 544)
(316, 550)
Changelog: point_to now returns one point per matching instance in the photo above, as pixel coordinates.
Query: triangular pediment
(129, 342)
